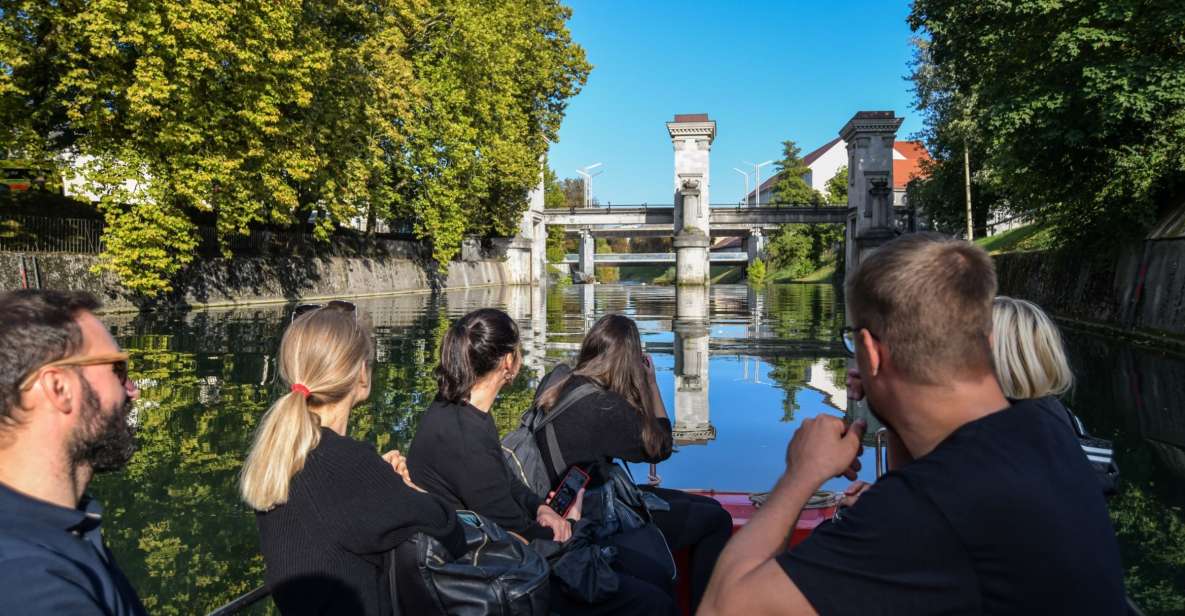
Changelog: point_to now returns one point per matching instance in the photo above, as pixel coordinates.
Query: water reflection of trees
(1133, 397)
(174, 520)
(806, 312)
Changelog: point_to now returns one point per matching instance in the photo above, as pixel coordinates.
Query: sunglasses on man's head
(336, 304)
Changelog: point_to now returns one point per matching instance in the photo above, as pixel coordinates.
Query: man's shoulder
(41, 568)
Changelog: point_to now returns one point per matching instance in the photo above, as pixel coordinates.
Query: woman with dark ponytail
(327, 506)
(457, 456)
(627, 420)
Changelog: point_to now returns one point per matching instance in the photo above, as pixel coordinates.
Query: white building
(824, 162)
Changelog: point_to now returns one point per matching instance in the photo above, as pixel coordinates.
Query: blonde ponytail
(286, 435)
(321, 356)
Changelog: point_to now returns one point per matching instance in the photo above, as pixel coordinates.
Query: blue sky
(764, 71)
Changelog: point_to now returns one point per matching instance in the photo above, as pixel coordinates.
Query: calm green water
(738, 369)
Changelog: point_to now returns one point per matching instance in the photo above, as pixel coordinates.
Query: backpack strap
(564, 403)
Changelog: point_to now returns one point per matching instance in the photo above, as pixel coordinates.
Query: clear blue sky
(764, 71)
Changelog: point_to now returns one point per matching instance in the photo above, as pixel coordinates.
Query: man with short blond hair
(997, 513)
(65, 397)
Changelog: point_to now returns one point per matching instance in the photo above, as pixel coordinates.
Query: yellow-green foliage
(434, 111)
(757, 272)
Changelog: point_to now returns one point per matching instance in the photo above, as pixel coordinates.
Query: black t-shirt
(599, 427)
(1003, 517)
(456, 455)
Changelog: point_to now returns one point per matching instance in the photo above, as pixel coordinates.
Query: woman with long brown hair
(328, 507)
(627, 420)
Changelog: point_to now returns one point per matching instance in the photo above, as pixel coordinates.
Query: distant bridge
(643, 258)
(643, 220)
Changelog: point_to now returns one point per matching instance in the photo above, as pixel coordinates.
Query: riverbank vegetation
(1070, 114)
(432, 114)
(796, 251)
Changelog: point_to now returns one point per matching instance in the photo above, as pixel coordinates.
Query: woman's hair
(1028, 352)
(323, 350)
(611, 355)
(472, 347)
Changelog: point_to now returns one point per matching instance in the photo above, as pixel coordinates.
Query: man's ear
(58, 390)
(872, 351)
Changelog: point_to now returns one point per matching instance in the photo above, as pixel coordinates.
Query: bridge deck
(639, 258)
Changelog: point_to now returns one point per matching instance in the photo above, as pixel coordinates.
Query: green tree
(837, 187)
(756, 273)
(791, 187)
(287, 112)
(553, 198)
(1076, 110)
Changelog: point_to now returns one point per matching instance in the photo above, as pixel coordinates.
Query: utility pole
(757, 180)
(584, 173)
(967, 184)
(745, 199)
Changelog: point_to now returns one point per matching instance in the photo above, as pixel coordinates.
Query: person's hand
(577, 506)
(852, 493)
(823, 447)
(855, 385)
(561, 530)
(648, 364)
(399, 463)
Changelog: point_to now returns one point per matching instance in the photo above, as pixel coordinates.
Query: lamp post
(584, 173)
(746, 175)
(757, 179)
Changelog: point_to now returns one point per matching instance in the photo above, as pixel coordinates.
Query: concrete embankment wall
(1142, 292)
(398, 268)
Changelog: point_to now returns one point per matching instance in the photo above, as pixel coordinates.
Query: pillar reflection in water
(691, 326)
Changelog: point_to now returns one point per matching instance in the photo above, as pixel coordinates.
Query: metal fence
(44, 234)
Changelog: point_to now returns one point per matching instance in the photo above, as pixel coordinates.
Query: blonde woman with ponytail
(328, 507)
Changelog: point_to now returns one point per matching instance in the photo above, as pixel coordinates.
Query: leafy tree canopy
(1075, 111)
(430, 111)
(791, 187)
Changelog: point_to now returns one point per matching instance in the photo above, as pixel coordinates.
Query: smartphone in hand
(565, 495)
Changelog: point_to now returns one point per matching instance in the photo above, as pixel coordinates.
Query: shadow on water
(738, 370)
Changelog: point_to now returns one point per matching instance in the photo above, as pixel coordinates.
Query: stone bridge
(869, 218)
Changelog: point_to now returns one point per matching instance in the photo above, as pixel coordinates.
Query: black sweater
(597, 428)
(457, 456)
(323, 549)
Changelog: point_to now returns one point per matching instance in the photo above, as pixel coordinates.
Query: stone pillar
(527, 251)
(585, 267)
(870, 136)
(691, 137)
(755, 245)
(693, 423)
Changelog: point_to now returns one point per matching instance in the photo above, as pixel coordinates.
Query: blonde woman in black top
(327, 506)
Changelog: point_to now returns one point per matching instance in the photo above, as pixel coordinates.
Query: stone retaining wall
(1142, 291)
(212, 282)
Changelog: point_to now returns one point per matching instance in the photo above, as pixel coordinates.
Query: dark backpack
(1099, 452)
(498, 574)
(521, 451)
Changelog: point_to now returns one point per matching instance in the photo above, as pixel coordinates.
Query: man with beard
(64, 402)
(998, 512)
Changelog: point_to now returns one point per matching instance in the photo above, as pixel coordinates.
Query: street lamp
(757, 172)
(587, 180)
(746, 197)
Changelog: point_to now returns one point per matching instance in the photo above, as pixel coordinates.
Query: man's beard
(105, 443)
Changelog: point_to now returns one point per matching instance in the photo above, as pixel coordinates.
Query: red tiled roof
(691, 117)
(910, 168)
(903, 170)
(813, 156)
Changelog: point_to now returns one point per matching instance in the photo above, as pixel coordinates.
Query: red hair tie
(302, 390)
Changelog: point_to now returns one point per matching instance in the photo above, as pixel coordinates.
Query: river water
(739, 369)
